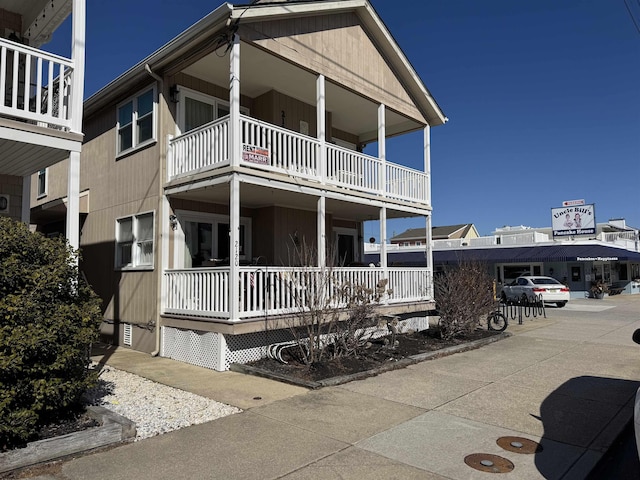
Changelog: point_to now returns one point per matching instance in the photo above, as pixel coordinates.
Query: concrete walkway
(566, 382)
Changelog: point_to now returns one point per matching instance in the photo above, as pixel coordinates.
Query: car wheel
(524, 298)
(560, 304)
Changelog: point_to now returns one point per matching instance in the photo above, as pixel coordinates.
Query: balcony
(40, 92)
(273, 149)
(267, 291)
(35, 86)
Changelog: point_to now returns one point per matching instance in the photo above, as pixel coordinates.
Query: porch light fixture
(173, 93)
(173, 221)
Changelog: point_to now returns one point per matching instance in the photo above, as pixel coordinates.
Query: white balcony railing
(34, 85)
(264, 291)
(271, 148)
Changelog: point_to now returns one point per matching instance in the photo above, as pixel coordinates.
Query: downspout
(156, 352)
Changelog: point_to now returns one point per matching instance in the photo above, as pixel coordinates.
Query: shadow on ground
(577, 413)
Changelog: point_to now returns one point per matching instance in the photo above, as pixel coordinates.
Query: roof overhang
(224, 15)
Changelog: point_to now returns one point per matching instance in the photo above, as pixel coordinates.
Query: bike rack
(531, 308)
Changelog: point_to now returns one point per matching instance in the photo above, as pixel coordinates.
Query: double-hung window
(136, 121)
(134, 241)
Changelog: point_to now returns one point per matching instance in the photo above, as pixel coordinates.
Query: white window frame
(215, 220)
(46, 182)
(136, 262)
(215, 102)
(136, 144)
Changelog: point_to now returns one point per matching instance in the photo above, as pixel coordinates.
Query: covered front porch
(265, 291)
(292, 241)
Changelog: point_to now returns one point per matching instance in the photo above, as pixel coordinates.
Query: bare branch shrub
(463, 295)
(333, 318)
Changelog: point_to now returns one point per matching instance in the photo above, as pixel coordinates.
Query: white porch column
(73, 201)
(78, 35)
(321, 229)
(234, 104)
(428, 226)
(383, 239)
(322, 128)
(234, 248)
(26, 200)
(382, 148)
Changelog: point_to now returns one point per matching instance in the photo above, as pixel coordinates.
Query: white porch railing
(203, 148)
(265, 291)
(268, 147)
(35, 85)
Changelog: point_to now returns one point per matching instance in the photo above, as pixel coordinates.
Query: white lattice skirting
(217, 351)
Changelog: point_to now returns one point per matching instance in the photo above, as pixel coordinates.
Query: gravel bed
(155, 408)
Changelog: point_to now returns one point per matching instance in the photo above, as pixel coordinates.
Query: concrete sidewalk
(566, 382)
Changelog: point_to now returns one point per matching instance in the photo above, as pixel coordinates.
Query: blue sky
(543, 98)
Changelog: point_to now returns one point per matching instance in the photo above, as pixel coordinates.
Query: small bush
(463, 295)
(48, 320)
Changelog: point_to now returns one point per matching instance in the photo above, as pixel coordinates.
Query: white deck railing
(268, 147)
(35, 85)
(265, 291)
(203, 148)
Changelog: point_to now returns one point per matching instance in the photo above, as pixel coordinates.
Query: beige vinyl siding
(329, 44)
(120, 187)
(11, 186)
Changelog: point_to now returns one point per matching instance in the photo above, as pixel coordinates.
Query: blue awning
(547, 253)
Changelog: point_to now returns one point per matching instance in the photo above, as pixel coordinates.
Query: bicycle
(496, 321)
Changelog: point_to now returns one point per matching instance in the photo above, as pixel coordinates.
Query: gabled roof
(437, 233)
(226, 14)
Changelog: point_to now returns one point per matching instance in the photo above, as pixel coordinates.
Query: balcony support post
(73, 201)
(427, 170)
(234, 248)
(78, 28)
(235, 148)
(382, 148)
(322, 234)
(321, 121)
(383, 250)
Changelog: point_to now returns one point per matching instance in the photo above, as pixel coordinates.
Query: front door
(345, 250)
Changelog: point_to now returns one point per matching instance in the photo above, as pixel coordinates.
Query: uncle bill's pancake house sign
(573, 220)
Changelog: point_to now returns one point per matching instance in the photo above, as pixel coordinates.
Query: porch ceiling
(20, 159)
(28, 148)
(257, 196)
(36, 27)
(261, 72)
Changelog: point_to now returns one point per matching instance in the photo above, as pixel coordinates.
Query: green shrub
(48, 320)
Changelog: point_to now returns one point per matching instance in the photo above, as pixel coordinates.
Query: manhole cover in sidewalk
(486, 462)
(519, 445)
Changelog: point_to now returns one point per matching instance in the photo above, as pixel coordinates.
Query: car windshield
(545, 281)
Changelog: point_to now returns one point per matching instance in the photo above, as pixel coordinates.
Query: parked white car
(527, 287)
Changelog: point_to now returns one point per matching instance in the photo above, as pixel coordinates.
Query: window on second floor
(134, 241)
(42, 183)
(136, 121)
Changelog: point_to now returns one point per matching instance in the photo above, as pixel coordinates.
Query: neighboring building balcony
(277, 150)
(265, 291)
(35, 86)
(40, 92)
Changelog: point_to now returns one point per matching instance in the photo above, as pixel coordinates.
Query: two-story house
(215, 161)
(40, 106)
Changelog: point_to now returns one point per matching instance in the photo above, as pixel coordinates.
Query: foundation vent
(127, 334)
